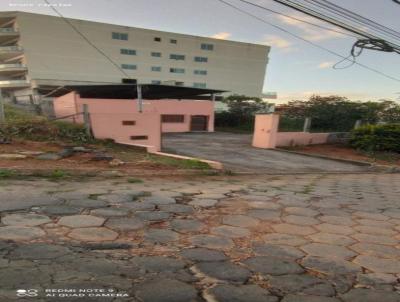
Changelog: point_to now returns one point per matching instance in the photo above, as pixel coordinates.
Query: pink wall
(182, 107)
(266, 134)
(65, 106)
(107, 115)
(285, 139)
(265, 130)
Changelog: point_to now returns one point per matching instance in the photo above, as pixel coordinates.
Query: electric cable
(87, 39)
(312, 12)
(308, 41)
(298, 19)
(356, 18)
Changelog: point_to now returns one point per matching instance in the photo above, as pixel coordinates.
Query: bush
(290, 124)
(372, 138)
(40, 129)
(240, 117)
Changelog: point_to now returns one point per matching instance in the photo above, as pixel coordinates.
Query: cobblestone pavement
(309, 238)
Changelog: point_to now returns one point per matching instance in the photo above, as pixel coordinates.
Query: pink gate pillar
(265, 131)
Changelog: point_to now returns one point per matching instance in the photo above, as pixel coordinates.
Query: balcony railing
(14, 83)
(10, 48)
(12, 66)
(10, 30)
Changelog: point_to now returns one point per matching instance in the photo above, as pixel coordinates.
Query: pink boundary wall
(266, 134)
(106, 116)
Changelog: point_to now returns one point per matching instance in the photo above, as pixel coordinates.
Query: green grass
(58, 174)
(179, 163)
(25, 125)
(7, 174)
(15, 114)
(52, 175)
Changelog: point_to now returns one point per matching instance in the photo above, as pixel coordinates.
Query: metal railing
(6, 66)
(10, 48)
(14, 82)
(8, 30)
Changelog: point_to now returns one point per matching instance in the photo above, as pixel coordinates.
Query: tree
(242, 110)
(336, 113)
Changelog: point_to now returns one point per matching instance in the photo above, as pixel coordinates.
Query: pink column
(265, 131)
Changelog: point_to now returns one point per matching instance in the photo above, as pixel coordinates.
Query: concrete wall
(107, 121)
(265, 130)
(285, 139)
(65, 106)
(181, 107)
(266, 134)
(56, 54)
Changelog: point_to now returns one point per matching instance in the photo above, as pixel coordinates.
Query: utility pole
(307, 124)
(139, 97)
(2, 115)
(86, 120)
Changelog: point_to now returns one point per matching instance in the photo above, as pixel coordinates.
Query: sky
(296, 70)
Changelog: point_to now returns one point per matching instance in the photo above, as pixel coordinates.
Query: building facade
(44, 52)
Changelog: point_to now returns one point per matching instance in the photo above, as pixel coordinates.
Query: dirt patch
(133, 158)
(344, 152)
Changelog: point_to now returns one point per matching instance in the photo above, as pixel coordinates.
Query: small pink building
(138, 116)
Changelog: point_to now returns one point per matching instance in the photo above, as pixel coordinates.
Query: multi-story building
(39, 53)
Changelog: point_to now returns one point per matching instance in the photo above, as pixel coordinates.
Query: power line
(354, 17)
(308, 41)
(87, 39)
(312, 12)
(298, 19)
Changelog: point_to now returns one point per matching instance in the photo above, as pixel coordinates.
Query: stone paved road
(236, 154)
(303, 238)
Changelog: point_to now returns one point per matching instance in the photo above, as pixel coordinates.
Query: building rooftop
(129, 91)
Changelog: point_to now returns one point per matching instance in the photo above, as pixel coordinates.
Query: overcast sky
(296, 69)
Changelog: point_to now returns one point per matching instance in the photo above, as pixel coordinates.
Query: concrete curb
(213, 164)
(373, 167)
(107, 173)
(349, 161)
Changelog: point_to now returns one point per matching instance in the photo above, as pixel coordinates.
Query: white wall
(54, 51)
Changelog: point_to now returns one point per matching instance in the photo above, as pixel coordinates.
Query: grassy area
(54, 175)
(179, 163)
(4, 174)
(389, 157)
(22, 124)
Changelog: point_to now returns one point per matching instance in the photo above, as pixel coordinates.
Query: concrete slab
(237, 154)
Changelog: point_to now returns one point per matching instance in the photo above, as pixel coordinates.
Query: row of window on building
(177, 83)
(124, 37)
(173, 56)
(159, 69)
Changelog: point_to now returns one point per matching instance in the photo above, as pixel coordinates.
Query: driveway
(236, 154)
(288, 238)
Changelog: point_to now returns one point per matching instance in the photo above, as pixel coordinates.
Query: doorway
(199, 123)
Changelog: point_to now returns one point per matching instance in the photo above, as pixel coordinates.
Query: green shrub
(6, 173)
(40, 129)
(372, 138)
(290, 124)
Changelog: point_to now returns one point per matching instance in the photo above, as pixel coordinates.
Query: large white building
(39, 52)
